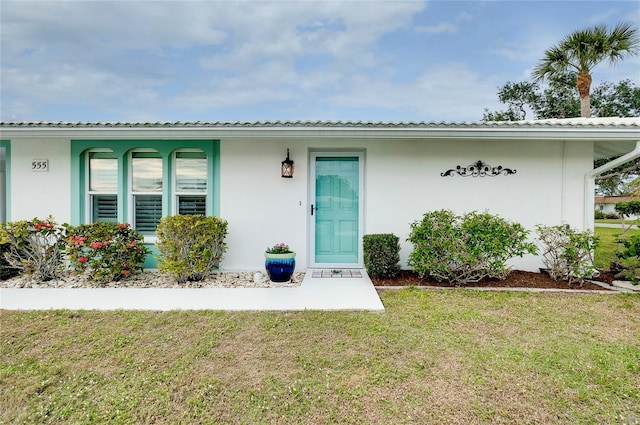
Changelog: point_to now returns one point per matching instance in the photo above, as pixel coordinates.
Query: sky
(147, 61)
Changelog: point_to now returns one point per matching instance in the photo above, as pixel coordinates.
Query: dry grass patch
(433, 357)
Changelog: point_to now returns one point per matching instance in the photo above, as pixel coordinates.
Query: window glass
(105, 208)
(191, 172)
(191, 205)
(146, 180)
(146, 170)
(148, 212)
(103, 186)
(103, 173)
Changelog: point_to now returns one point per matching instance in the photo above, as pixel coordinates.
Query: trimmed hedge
(190, 246)
(381, 255)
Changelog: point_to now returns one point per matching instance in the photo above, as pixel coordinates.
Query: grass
(435, 357)
(612, 221)
(607, 245)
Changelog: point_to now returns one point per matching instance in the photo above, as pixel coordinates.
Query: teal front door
(336, 210)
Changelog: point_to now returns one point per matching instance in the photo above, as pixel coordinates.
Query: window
(140, 181)
(191, 183)
(146, 191)
(103, 187)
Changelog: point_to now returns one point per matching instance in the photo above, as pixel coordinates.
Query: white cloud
(205, 52)
(312, 59)
(446, 92)
(444, 27)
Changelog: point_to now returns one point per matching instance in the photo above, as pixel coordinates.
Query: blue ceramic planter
(280, 267)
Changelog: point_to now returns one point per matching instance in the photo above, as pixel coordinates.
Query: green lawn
(610, 221)
(436, 357)
(607, 246)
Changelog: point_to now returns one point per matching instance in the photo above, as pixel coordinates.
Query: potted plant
(280, 262)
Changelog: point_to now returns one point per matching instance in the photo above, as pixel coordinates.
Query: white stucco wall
(402, 182)
(546, 189)
(38, 194)
(262, 208)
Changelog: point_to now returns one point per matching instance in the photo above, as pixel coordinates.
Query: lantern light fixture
(287, 167)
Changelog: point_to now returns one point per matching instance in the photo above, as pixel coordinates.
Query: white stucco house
(607, 204)
(349, 178)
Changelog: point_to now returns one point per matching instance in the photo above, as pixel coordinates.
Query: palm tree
(583, 50)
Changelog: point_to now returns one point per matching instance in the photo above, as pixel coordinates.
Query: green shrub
(381, 255)
(107, 251)
(190, 246)
(35, 247)
(628, 259)
(599, 215)
(464, 249)
(628, 209)
(566, 253)
(611, 216)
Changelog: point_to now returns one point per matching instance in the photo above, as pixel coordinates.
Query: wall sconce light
(287, 167)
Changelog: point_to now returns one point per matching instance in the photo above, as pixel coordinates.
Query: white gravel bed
(154, 279)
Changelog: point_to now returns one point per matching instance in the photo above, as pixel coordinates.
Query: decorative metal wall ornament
(478, 169)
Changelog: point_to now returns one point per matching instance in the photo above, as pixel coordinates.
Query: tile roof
(613, 122)
(614, 199)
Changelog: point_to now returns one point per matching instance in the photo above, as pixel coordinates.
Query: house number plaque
(40, 165)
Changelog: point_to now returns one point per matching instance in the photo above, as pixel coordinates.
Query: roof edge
(614, 122)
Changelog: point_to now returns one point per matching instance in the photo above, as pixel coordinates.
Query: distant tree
(621, 181)
(621, 100)
(613, 186)
(559, 99)
(519, 97)
(582, 50)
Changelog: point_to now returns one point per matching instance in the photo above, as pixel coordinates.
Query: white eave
(612, 136)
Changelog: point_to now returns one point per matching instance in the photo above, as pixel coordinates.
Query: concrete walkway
(615, 226)
(315, 293)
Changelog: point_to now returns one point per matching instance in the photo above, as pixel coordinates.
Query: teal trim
(7, 189)
(167, 187)
(123, 184)
(150, 261)
(120, 149)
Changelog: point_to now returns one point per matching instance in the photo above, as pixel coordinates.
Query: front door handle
(312, 208)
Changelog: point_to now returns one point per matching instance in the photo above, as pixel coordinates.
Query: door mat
(336, 273)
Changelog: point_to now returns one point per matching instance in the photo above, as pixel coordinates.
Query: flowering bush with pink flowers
(107, 251)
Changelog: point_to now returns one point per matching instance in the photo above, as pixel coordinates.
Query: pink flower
(83, 259)
(132, 244)
(96, 245)
(125, 272)
(123, 225)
